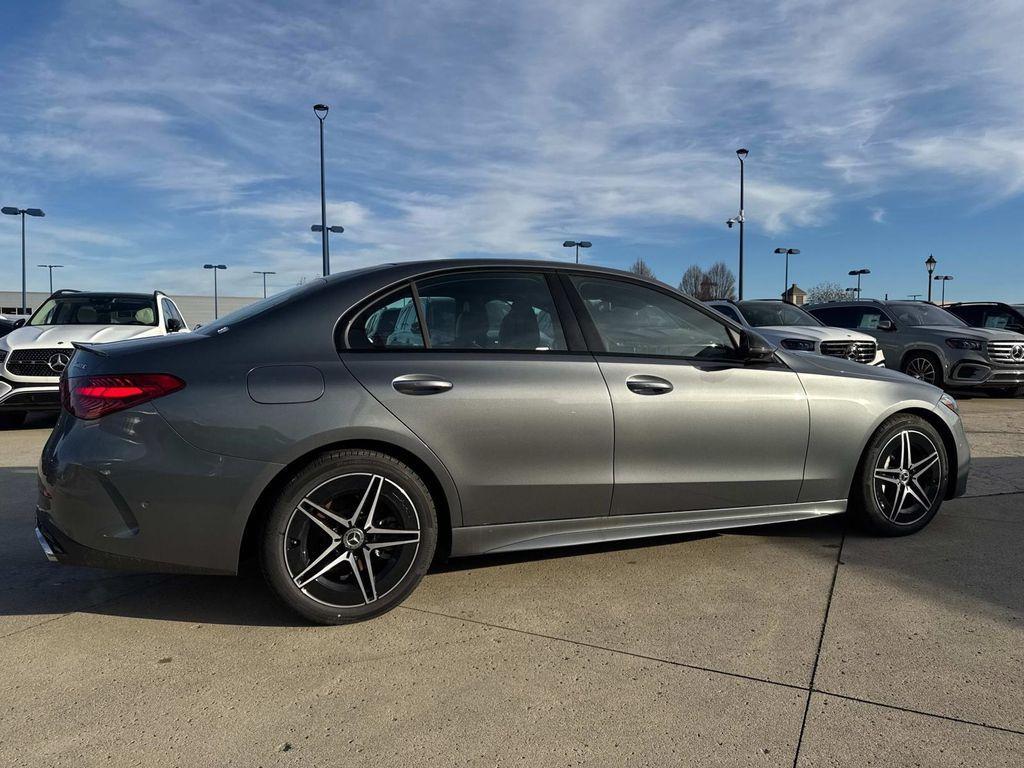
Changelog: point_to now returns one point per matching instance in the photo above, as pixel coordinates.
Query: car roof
(103, 295)
(408, 268)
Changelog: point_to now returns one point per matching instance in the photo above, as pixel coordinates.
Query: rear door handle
(643, 384)
(420, 384)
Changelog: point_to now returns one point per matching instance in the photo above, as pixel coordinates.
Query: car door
(696, 427)
(500, 386)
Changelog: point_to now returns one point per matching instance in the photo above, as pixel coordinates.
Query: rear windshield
(96, 310)
(261, 306)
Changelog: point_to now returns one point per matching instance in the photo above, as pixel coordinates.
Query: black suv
(990, 314)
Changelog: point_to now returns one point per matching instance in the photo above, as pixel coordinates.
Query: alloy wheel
(922, 368)
(351, 540)
(907, 477)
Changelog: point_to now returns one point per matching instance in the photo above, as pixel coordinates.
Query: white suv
(34, 354)
(788, 326)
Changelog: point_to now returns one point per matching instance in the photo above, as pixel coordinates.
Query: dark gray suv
(931, 344)
(348, 430)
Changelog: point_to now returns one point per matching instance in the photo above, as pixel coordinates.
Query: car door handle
(420, 384)
(648, 385)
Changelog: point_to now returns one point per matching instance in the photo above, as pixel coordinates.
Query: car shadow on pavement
(957, 556)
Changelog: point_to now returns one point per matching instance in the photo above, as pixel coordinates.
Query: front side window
(510, 311)
(96, 310)
(390, 323)
(636, 320)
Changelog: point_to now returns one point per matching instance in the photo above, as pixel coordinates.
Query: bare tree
(691, 280)
(641, 269)
(723, 281)
(826, 291)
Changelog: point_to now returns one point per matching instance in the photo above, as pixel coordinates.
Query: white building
(195, 309)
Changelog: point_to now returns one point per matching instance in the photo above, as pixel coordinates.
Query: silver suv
(790, 327)
(931, 344)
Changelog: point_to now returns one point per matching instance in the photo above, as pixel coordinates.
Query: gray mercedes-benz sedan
(350, 430)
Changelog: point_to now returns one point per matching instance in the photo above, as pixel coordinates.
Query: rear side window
(728, 311)
(390, 323)
(508, 311)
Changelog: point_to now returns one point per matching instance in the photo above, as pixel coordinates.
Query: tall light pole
(929, 264)
(789, 252)
(578, 245)
(320, 228)
(258, 272)
(944, 279)
(320, 110)
(215, 268)
(740, 218)
(51, 267)
(12, 211)
(858, 273)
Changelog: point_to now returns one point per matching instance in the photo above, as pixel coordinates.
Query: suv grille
(34, 362)
(1008, 352)
(858, 351)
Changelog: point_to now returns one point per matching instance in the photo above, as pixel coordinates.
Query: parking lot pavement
(693, 650)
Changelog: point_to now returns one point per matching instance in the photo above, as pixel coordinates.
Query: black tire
(888, 501)
(12, 419)
(917, 364)
(381, 569)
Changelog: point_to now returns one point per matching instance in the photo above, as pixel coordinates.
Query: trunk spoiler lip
(94, 348)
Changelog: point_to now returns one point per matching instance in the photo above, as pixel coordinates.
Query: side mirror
(20, 322)
(885, 325)
(197, 326)
(754, 349)
(174, 325)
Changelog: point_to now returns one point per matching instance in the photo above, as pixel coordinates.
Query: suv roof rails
(62, 291)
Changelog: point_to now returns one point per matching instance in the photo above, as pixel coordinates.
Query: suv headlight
(950, 403)
(800, 345)
(961, 342)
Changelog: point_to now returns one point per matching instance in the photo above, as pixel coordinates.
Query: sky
(159, 136)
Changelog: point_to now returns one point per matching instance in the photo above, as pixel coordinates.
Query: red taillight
(89, 397)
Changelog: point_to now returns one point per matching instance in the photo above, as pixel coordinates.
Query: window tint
(861, 318)
(635, 320)
(1000, 318)
(492, 310)
(390, 323)
(763, 313)
(171, 311)
(728, 311)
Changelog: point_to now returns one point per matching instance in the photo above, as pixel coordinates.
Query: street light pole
(13, 211)
(858, 273)
(51, 267)
(929, 264)
(320, 110)
(215, 268)
(257, 272)
(741, 154)
(789, 252)
(578, 244)
(944, 279)
(320, 228)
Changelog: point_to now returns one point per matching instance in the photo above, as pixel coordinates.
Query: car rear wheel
(903, 477)
(12, 419)
(349, 537)
(923, 366)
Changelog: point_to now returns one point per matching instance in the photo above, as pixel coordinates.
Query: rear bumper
(126, 491)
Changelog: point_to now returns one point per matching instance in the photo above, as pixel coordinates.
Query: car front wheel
(349, 537)
(903, 477)
(925, 367)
